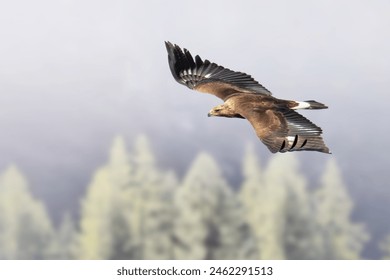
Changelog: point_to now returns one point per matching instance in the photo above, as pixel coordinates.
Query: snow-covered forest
(135, 210)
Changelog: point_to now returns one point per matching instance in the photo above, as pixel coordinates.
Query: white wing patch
(301, 105)
(290, 139)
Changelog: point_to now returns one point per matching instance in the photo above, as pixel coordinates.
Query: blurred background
(104, 156)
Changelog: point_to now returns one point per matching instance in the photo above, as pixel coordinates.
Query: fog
(74, 74)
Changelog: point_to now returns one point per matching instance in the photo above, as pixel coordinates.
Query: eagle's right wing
(208, 77)
(285, 130)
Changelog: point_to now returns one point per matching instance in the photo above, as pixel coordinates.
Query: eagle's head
(223, 111)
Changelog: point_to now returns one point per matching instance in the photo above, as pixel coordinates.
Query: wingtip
(168, 45)
(173, 48)
(326, 151)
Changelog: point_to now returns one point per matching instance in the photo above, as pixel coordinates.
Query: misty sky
(73, 74)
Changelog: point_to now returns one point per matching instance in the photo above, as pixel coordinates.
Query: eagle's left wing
(208, 77)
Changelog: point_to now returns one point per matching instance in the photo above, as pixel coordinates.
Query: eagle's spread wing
(285, 130)
(209, 77)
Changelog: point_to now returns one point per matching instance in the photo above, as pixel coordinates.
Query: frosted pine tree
(262, 208)
(25, 228)
(124, 245)
(208, 222)
(342, 238)
(385, 247)
(105, 233)
(296, 225)
(151, 202)
(64, 246)
(95, 240)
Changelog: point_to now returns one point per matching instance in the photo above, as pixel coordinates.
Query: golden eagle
(275, 121)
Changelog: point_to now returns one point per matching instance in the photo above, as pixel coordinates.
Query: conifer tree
(127, 212)
(64, 246)
(295, 226)
(263, 207)
(208, 222)
(151, 199)
(25, 228)
(385, 247)
(95, 240)
(104, 232)
(342, 238)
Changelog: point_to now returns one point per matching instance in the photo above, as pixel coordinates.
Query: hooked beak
(209, 114)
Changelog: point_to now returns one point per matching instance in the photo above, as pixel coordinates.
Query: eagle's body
(275, 121)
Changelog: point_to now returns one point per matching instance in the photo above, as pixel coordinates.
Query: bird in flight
(275, 121)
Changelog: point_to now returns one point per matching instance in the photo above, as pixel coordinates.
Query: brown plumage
(275, 121)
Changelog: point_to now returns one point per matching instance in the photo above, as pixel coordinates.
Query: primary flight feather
(275, 121)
